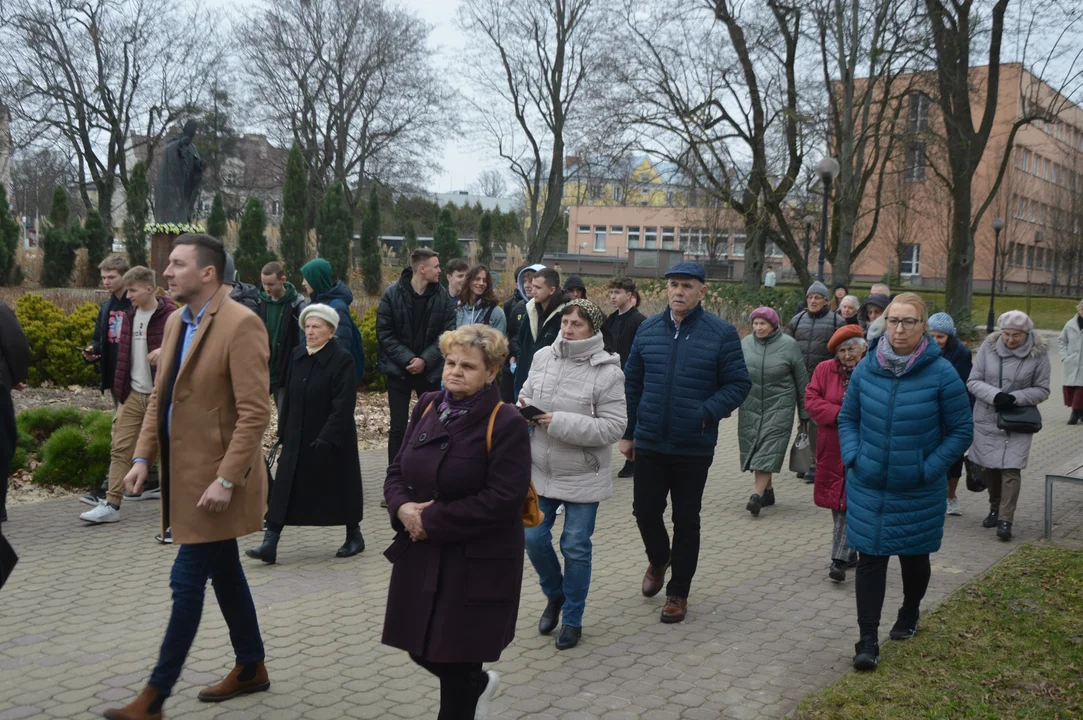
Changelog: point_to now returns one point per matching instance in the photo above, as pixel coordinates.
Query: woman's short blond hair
(909, 298)
(492, 343)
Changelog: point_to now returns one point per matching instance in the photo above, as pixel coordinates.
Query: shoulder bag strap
(489, 432)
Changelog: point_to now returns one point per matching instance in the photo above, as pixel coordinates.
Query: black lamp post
(809, 220)
(827, 169)
(998, 225)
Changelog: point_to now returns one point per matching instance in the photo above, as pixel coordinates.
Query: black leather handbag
(1019, 419)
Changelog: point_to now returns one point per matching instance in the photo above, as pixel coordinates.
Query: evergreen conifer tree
(9, 239)
(293, 234)
(59, 252)
(445, 241)
(98, 241)
(138, 211)
(371, 257)
(409, 242)
(485, 239)
(252, 253)
(334, 227)
(216, 222)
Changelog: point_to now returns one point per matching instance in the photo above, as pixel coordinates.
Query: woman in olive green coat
(765, 421)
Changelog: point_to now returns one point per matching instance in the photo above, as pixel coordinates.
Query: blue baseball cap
(688, 269)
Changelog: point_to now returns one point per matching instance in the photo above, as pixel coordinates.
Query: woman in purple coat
(455, 493)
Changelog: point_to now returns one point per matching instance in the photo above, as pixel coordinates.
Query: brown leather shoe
(675, 609)
(231, 687)
(138, 709)
(653, 580)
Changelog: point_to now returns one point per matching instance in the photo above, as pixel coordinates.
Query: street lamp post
(809, 220)
(998, 225)
(827, 169)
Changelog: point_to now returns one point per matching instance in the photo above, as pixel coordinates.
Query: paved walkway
(81, 620)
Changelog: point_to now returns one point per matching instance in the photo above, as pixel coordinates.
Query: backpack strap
(488, 432)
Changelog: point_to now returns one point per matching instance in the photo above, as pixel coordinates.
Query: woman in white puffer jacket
(579, 386)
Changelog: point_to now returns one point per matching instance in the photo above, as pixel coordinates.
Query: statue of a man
(178, 179)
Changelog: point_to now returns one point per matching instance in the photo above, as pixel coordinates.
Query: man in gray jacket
(812, 328)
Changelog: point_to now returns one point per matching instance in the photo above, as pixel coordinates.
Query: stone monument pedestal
(161, 244)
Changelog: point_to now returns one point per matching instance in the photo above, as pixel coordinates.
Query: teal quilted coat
(765, 421)
(899, 436)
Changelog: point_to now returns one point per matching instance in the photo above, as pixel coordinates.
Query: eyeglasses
(907, 323)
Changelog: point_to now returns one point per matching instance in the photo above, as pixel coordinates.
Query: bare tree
(92, 73)
(34, 174)
(537, 67)
(354, 84)
(490, 183)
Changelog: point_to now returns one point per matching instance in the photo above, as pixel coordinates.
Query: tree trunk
(755, 245)
(845, 219)
(959, 284)
(105, 207)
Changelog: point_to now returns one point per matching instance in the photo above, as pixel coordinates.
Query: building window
(721, 244)
(650, 237)
(633, 237)
(1019, 250)
(667, 238)
(910, 260)
(773, 250)
(616, 229)
(739, 245)
(594, 190)
(618, 193)
(583, 229)
(917, 119)
(276, 208)
(599, 238)
(1040, 262)
(915, 163)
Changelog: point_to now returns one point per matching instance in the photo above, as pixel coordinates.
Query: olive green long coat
(765, 421)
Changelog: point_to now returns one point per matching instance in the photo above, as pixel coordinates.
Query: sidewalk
(82, 618)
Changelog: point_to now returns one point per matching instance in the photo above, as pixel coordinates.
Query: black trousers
(461, 685)
(658, 477)
(871, 583)
(399, 391)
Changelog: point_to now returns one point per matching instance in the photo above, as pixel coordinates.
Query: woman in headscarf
(578, 384)
(765, 419)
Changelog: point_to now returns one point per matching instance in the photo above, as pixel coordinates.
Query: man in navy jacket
(686, 372)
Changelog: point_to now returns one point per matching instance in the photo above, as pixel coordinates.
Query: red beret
(844, 333)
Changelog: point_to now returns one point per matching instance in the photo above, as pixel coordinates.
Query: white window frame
(670, 232)
(599, 234)
(616, 229)
(633, 237)
(914, 172)
(739, 240)
(650, 237)
(583, 229)
(913, 261)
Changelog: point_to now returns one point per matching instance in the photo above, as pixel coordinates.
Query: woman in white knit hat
(318, 481)
(1011, 370)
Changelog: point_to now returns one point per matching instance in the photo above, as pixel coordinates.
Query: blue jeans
(221, 562)
(576, 548)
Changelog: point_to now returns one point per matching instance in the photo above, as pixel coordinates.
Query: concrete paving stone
(765, 625)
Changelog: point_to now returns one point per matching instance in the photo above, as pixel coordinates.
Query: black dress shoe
(754, 504)
(629, 469)
(354, 544)
(548, 620)
(1004, 530)
(1074, 419)
(990, 520)
(569, 637)
(837, 571)
(768, 497)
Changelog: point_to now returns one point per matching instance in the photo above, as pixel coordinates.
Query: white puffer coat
(582, 385)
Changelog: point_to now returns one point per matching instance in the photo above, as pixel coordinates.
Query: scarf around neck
(450, 409)
(898, 364)
(314, 350)
(844, 373)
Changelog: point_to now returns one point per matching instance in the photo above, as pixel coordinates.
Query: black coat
(624, 332)
(14, 350)
(318, 486)
(402, 335)
(107, 335)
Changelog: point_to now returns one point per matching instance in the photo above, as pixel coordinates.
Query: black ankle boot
(569, 637)
(548, 620)
(990, 520)
(1074, 419)
(354, 544)
(268, 551)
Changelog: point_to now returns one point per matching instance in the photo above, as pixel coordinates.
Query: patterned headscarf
(597, 317)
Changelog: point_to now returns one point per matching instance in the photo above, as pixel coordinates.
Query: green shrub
(76, 454)
(19, 460)
(39, 423)
(98, 423)
(54, 339)
(374, 380)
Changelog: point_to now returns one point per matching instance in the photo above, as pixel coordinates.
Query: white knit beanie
(324, 312)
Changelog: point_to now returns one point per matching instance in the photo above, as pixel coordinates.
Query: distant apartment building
(643, 209)
(1040, 198)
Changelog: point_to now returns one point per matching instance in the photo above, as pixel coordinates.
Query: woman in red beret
(823, 401)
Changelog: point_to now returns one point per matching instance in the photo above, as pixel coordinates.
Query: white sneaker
(166, 539)
(560, 509)
(487, 695)
(953, 507)
(104, 513)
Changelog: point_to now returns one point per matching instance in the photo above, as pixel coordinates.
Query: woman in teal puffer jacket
(765, 420)
(904, 420)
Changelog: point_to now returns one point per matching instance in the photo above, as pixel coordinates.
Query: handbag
(801, 451)
(1019, 419)
(975, 476)
(532, 514)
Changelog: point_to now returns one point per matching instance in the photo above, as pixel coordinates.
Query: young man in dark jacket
(541, 322)
(137, 359)
(812, 328)
(514, 310)
(685, 373)
(280, 307)
(621, 327)
(413, 314)
(111, 312)
(14, 366)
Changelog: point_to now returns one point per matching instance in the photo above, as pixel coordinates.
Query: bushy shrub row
(374, 380)
(72, 444)
(55, 339)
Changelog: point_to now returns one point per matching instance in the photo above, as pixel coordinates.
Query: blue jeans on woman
(575, 545)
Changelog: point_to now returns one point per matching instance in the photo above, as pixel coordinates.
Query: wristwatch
(224, 483)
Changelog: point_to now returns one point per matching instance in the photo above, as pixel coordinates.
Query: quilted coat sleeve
(822, 411)
(1039, 391)
(956, 420)
(732, 378)
(850, 417)
(633, 385)
(386, 333)
(610, 415)
(444, 318)
(984, 363)
(800, 379)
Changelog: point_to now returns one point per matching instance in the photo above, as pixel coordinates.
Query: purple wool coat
(455, 596)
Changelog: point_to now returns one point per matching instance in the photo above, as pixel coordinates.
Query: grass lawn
(1008, 645)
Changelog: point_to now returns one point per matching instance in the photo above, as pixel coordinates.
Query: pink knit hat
(1015, 320)
(764, 313)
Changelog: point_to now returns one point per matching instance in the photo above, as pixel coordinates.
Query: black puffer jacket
(403, 335)
(812, 331)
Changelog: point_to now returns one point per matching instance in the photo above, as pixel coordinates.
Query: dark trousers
(461, 685)
(871, 583)
(219, 561)
(8, 442)
(682, 478)
(399, 391)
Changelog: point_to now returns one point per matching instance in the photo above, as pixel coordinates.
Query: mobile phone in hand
(530, 412)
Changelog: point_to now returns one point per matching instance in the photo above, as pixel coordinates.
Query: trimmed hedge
(72, 444)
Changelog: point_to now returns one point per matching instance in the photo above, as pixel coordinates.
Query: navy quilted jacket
(899, 436)
(681, 383)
